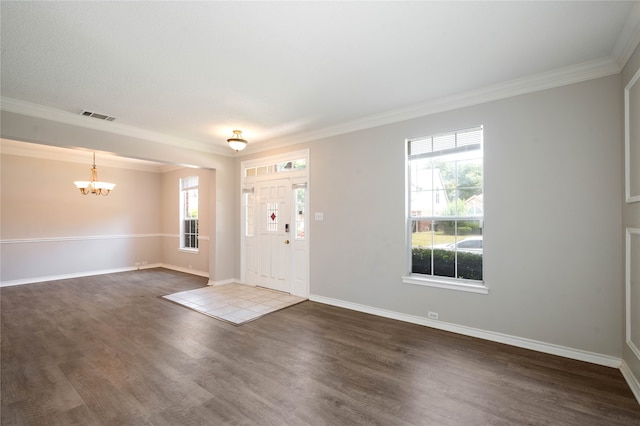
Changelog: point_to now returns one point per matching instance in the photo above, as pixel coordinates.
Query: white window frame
(300, 212)
(188, 184)
(450, 283)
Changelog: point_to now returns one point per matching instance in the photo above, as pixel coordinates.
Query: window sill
(188, 250)
(450, 284)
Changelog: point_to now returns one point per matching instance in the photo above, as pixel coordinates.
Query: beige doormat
(234, 303)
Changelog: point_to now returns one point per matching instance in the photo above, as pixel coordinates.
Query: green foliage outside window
(469, 264)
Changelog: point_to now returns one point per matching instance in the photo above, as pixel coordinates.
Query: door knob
(286, 241)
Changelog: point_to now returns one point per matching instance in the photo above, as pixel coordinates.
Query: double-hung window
(445, 207)
(189, 213)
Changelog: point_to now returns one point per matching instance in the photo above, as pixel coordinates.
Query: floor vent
(97, 115)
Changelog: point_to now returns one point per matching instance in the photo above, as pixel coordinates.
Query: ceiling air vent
(97, 115)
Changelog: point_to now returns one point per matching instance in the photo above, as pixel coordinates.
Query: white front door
(274, 234)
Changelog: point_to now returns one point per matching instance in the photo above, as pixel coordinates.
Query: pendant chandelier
(236, 142)
(94, 186)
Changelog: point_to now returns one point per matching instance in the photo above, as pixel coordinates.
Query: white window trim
(449, 283)
(181, 249)
(189, 250)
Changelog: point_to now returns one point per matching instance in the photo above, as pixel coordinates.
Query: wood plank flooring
(107, 350)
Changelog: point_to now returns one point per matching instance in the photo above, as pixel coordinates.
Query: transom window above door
(278, 167)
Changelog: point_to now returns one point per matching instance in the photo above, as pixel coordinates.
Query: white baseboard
(65, 276)
(185, 270)
(520, 342)
(223, 282)
(35, 280)
(632, 380)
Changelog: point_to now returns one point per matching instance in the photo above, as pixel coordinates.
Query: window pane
(191, 203)
(469, 250)
(426, 185)
(248, 214)
(421, 235)
(444, 238)
(469, 137)
(300, 164)
(189, 182)
(442, 142)
(299, 194)
(420, 146)
(272, 217)
(421, 245)
(285, 166)
(469, 173)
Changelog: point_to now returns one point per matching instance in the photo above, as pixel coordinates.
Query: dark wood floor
(106, 350)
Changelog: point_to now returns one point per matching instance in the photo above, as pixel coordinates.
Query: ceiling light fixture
(236, 142)
(94, 186)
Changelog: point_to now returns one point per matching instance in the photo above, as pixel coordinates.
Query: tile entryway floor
(234, 303)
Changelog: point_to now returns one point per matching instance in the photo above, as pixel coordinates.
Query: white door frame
(299, 272)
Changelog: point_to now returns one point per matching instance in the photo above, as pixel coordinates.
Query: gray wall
(554, 209)
(552, 218)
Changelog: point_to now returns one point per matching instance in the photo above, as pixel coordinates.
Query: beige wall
(190, 261)
(223, 238)
(49, 230)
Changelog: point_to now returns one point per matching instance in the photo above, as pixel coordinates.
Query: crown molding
(629, 37)
(602, 67)
(46, 113)
(564, 76)
(78, 156)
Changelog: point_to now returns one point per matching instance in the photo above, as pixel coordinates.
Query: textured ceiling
(289, 70)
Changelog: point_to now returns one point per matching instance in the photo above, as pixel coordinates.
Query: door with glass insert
(274, 236)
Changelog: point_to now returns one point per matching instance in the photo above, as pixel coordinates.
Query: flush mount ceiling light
(94, 186)
(236, 142)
